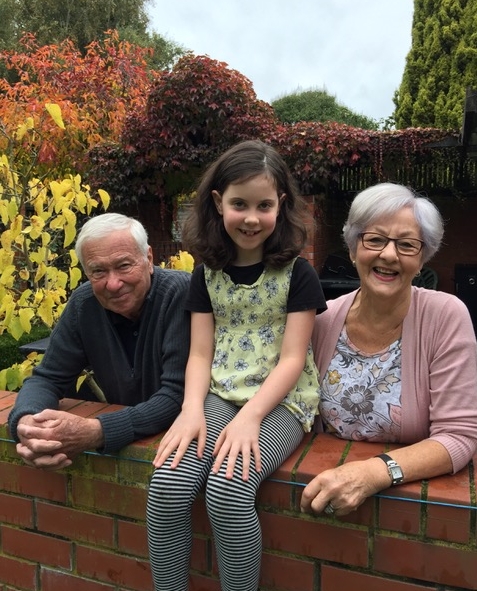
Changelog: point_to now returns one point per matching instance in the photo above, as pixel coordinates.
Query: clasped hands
(52, 438)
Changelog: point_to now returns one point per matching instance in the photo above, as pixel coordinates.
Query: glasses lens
(408, 246)
(374, 241)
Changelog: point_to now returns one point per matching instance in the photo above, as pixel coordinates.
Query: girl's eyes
(242, 205)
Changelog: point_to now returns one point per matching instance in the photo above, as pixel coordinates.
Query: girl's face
(249, 210)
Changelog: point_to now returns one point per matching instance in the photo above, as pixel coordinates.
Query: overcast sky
(354, 50)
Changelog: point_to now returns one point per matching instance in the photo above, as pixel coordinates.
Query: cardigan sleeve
(447, 346)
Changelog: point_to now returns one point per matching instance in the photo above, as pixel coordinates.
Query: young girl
(251, 386)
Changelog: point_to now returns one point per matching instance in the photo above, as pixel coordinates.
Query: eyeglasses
(406, 246)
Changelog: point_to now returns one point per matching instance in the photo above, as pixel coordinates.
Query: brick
(201, 554)
(200, 519)
(32, 482)
(84, 408)
(434, 563)
(454, 489)
(36, 547)
(75, 525)
(310, 537)
(337, 579)
(283, 572)
(449, 524)
(61, 581)
(399, 516)
(15, 510)
(126, 501)
(132, 538)
(199, 582)
(276, 494)
(108, 567)
(326, 452)
(18, 573)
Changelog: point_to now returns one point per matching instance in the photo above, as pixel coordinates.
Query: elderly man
(128, 324)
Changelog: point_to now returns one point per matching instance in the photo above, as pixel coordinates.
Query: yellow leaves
(183, 261)
(12, 378)
(45, 309)
(75, 277)
(38, 219)
(105, 198)
(24, 127)
(7, 278)
(36, 227)
(55, 113)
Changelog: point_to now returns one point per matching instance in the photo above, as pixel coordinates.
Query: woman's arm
(241, 435)
(190, 424)
(348, 486)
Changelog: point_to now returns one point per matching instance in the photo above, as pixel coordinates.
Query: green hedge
(9, 353)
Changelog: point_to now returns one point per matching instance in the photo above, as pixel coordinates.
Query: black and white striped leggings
(230, 503)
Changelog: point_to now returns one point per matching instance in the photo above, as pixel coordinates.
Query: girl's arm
(241, 434)
(190, 424)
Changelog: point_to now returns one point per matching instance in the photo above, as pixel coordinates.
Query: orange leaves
(94, 92)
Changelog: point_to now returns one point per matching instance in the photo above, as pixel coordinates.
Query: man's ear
(217, 200)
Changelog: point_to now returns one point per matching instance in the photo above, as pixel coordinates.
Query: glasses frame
(388, 240)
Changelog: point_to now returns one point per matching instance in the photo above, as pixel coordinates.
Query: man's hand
(52, 438)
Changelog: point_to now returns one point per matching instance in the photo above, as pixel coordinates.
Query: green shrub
(9, 351)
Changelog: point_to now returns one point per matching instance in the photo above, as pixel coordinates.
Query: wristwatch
(394, 469)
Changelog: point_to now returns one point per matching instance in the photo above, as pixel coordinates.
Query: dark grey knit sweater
(152, 389)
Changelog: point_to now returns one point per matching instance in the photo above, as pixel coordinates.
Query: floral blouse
(361, 393)
(249, 328)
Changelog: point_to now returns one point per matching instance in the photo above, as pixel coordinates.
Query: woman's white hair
(102, 225)
(385, 199)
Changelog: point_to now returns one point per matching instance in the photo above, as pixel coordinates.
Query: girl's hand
(240, 436)
(188, 425)
(345, 487)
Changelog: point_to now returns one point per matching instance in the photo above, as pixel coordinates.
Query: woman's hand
(240, 436)
(189, 425)
(345, 487)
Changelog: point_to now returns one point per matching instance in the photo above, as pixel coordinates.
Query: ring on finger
(329, 509)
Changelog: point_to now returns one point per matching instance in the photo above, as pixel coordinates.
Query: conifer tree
(440, 65)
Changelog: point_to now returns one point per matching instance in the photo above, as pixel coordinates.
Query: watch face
(396, 474)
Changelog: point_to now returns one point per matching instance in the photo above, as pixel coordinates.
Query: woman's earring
(418, 274)
(353, 263)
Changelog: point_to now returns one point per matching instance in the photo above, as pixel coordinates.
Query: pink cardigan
(439, 369)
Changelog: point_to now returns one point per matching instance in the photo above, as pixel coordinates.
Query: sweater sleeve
(55, 377)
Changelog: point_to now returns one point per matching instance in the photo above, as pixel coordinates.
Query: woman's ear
(217, 200)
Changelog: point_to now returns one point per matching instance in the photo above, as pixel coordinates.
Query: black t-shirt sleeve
(305, 289)
(198, 299)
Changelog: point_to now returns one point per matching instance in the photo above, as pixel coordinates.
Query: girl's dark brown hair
(204, 234)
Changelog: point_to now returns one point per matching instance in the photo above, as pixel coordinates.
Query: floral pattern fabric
(249, 328)
(361, 393)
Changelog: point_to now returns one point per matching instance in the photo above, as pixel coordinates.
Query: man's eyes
(121, 269)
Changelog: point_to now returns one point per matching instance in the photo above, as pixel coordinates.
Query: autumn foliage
(94, 92)
(202, 107)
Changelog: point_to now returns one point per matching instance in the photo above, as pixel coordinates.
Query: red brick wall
(83, 528)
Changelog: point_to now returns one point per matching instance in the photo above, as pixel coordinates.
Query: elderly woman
(398, 363)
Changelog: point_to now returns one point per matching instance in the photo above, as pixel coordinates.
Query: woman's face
(387, 272)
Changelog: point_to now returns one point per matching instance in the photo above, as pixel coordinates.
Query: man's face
(119, 273)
